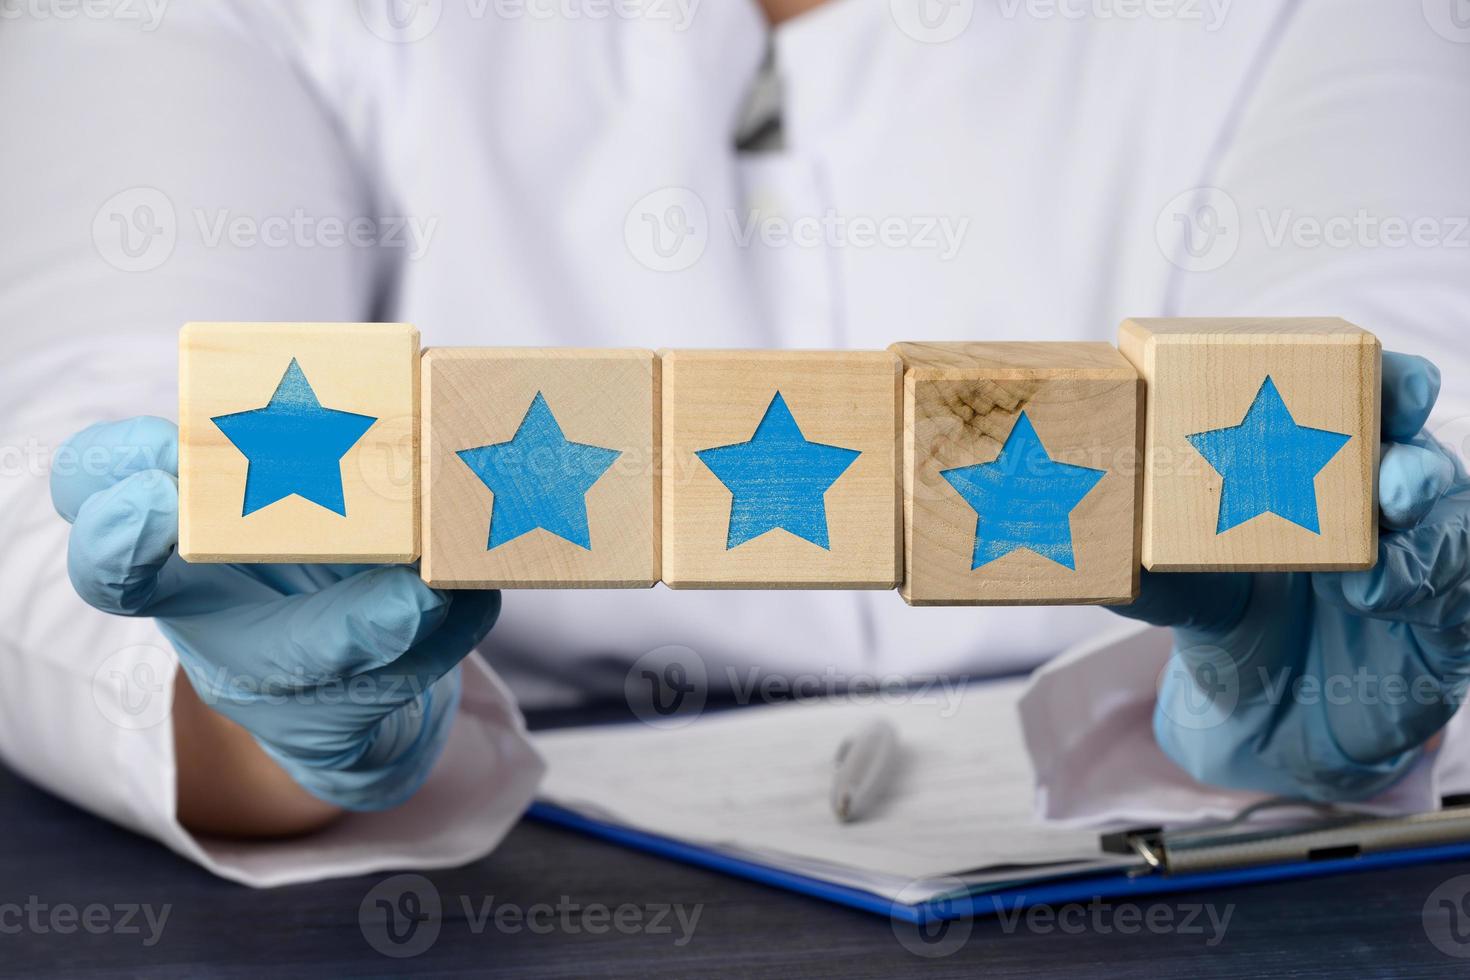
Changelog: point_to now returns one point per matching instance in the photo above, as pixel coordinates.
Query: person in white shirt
(1052, 169)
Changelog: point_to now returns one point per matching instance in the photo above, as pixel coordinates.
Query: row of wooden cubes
(964, 473)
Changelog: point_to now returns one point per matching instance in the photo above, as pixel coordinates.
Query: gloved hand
(1326, 686)
(346, 675)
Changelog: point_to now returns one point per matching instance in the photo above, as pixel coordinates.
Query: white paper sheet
(755, 782)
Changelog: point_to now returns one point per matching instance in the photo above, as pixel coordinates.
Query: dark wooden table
(53, 856)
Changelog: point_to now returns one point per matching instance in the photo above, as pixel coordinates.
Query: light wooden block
(783, 530)
(1207, 375)
(319, 388)
(578, 507)
(1021, 473)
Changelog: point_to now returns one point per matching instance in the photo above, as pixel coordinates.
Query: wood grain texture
(476, 397)
(962, 402)
(847, 399)
(1202, 375)
(367, 368)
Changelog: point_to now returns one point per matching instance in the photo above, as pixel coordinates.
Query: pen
(865, 761)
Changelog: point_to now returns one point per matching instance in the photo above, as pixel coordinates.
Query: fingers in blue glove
(1411, 480)
(1204, 604)
(418, 681)
(374, 747)
(347, 629)
(470, 616)
(1410, 389)
(105, 454)
(121, 538)
(1421, 577)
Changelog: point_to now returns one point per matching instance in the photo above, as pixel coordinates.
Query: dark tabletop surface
(569, 906)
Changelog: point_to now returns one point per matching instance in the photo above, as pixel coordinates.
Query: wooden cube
(298, 442)
(781, 469)
(540, 468)
(1263, 442)
(1021, 473)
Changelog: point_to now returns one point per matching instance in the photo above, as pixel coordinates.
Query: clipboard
(1144, 881)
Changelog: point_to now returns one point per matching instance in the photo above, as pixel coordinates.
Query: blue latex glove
(1326, 686)
(345, 675)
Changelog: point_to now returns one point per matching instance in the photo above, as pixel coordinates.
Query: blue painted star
(1268, 463)
(539, 479)
(778, 479)
(294, 445)
(1023, 499)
